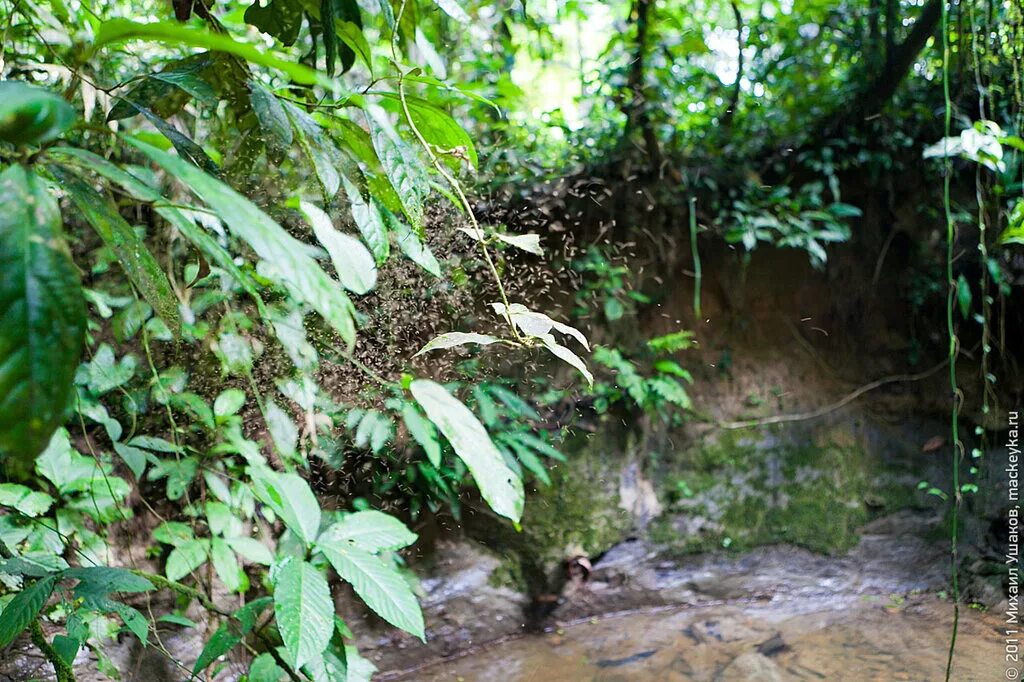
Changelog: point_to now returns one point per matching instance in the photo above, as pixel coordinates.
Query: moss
(753, 493)
(509, 573)
(578, 512)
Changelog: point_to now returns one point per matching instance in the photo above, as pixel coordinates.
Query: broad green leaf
(453, 339)
(221, 642)
(185, 558)
(401, 165)
(352, 36)
(320, 151)
(66, 647)
(105, 372)
(227, 567)
(366, 214)
(177, 619)
(229, 402)
(28, 502)
(354, 265)
(281, 19)
(410, 244)
(139, 264)
(63, 466)
(168, 91)
(498, 484)
(274, 123)
(99, 581)
(251, 549)
(42, 316)
(264, 669)
(291, 499)
(24, 608)
(173, 33)
(301, 275)
(130, 319)
(450, 141)
(379, 585)
(140, 190)
(173, 533)
(282, 429)
(423, 431)
(370, 530)
(32, 115)
(330, 38)
(304, 611)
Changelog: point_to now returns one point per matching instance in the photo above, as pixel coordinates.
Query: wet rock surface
(775, 613)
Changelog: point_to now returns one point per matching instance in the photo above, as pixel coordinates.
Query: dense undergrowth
(282, 279)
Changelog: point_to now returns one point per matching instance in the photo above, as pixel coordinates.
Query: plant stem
(60, 666)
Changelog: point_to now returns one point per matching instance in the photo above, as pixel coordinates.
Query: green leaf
(66, 647)
(370, 530)
(322, 154)
(409, 243)
(168, 91)
(264, 669)
(227, 568)
(352, 36)
(453, 339)
(401, 165)
(963, 296)
(274, 123)
(24, 608)
(251, 549)
(133, 255)
(282, 429)
(123, 30)
(31, 115)
(130, 319)
(42, 316)
(291, 499)
(173, 533)
(354, 265)
(450, 141)
(63, 466)
(498, 484)
(423, 432)
(99, 581)
(380, 586)
(221, 642)
(281, 19)
(177, 619)
(143, 192)
(229, 402)
(105, 373)
(28, 502)
(368, 219)
(330, 37)
(304, 611)
(563, 353)
(299, 273)
(186, 558)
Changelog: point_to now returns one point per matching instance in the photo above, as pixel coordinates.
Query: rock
(637, 496)
(750, 666)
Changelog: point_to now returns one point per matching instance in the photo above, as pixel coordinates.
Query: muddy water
(778, 613)
(864, 640)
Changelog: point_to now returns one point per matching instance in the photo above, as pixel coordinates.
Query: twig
(822, 411)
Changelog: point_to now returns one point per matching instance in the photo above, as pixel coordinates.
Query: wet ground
(778, 613)
(869, 639)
